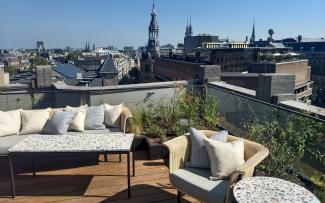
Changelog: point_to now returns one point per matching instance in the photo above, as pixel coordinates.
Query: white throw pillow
(225, 157)
(10, 122)
(78, 123)
(33, 121)
(112, 115)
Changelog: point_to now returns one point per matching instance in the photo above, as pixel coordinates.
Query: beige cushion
(10, 122)
(225, 157)
(112, 114)
(33, 121)
(78, 123)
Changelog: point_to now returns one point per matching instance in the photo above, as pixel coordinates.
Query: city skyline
(125, 23)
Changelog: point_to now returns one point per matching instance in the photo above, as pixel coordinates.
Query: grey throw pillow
(199, 157)
(95, 118)
(59, 123)
(220, 136)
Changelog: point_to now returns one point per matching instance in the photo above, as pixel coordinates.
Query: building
(153, 47)
(4, 77)
(115, 67)
(232, 45)
(194, 42)
(40, 46)
(128, 48)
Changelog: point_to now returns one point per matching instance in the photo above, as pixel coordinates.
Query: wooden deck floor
(100, 182)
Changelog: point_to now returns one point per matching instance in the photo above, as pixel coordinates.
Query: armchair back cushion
(199, 157)
(33, 121)
(10, 122)
(225, 157)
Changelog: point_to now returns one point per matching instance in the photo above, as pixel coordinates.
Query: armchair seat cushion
(196, 182)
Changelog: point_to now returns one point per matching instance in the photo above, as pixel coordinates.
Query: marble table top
(75, 143)
(269, 189)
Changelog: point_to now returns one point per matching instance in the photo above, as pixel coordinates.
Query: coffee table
(112, 143)
(269, 189)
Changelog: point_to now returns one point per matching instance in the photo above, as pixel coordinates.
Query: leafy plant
(286, 142)
(188, 109)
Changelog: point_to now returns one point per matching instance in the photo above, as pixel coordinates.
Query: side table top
(270, 189)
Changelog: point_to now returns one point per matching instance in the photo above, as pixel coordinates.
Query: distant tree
(135, 74)
(10, 69)
(58, 51)
(72, 56)
(40, 61)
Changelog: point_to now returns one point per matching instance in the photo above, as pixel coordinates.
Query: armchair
(196, 182)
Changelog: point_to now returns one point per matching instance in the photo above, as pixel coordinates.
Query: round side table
(269, 189)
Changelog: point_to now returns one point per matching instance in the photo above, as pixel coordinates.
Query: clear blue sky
(125, 22)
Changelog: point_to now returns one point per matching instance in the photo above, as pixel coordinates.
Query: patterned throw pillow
(225, 157)
(95, 118)
(199, 157)
(59, 123)
(113, 114)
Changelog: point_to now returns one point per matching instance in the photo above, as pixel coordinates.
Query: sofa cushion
(78, 123)
(33, 121)
(113, 115)
(199, 157)
(10, 122)
(7, 142)
(95, 118)
(59, 123)
(225, 157)
(196, 182)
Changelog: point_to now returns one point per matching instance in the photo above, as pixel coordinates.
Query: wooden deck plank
(102, 182)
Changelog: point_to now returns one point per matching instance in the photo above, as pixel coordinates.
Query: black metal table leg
(105, 156)
(129, 181)
(133, 159)
(12, 178)
(33, 166)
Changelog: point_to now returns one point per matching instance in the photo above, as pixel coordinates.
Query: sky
(61, 23)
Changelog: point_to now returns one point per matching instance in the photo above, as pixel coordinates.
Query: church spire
(252, 40)
(153, 42)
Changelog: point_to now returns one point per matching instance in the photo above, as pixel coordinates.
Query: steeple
(188, 29)
(252, 39)
(153, 42)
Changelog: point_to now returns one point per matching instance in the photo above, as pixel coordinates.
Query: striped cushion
(199, 157)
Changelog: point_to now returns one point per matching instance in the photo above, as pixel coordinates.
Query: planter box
(156, 150)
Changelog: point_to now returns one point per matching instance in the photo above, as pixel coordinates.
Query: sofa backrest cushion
(113, 115)
(78, 123)
(199, 157)
(95, 118)
(33, 121)
(59, 123)
(225, 157)
(10, 122)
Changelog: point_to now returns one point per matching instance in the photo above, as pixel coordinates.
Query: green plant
(187, 109)
(287, 142)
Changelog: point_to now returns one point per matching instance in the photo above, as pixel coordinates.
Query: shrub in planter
(287, 143)
(171, 119)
